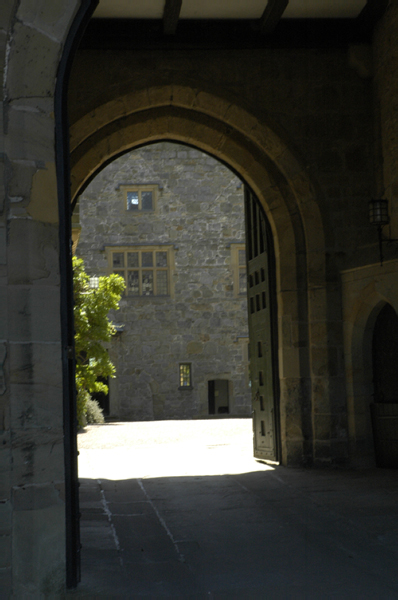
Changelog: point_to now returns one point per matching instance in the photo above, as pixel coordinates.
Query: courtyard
(180, 509)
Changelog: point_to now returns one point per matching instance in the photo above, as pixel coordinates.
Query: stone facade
(313, 133)
(199, 216)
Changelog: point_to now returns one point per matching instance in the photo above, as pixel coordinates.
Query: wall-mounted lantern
(378, 217)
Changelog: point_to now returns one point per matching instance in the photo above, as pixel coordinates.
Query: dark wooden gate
(262, 330)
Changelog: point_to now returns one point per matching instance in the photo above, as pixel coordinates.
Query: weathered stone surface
(5, 550)
(5, 466)
(37, 455)
(33, 253)
(38, 405)
(35, 363)
(53, 18)
(5, 517)
(3, 357)
(26, 321)
(35, 497)
(5, 581)
(3, 312)
(35, 58)
(3, 245)
(32, 132)
(2, 171)
(44, 205)
(39, 551)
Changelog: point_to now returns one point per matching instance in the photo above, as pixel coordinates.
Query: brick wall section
(200, 212)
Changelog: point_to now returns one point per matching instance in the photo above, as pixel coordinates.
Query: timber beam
(171, 14)
(272, 14)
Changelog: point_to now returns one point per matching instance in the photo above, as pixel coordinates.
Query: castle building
(170, 220)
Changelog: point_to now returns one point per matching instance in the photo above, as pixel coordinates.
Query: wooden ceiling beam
(171, 14)
(272, 15)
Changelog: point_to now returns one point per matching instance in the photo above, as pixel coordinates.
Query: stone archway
(36, 39)
(359, 323)
(263, 160)
(34, 478)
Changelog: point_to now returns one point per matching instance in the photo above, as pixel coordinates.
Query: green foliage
(92, 329)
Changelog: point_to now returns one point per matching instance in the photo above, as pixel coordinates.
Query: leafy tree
(92, 329)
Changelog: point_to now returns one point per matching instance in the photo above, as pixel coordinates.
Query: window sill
(186, 388)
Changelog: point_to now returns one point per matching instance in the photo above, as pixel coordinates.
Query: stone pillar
(32, 502)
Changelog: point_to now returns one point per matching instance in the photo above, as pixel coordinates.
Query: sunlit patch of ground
(167, 449)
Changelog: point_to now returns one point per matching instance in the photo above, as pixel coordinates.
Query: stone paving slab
(201, 518)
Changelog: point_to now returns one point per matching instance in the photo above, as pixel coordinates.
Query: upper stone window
(140, 198)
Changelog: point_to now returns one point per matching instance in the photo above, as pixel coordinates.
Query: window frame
(237, 268)
(139, 189)
(169, 269)
(180, 375)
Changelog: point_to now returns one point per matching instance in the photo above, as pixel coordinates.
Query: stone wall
(367, 288)
(200, 213)
(32, 461)
(385, 65)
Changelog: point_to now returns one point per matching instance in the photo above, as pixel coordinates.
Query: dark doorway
(385, 356)
(384, 410)
(102, 398)
(218, 390)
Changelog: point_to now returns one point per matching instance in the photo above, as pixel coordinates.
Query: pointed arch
(359, 322)
(262, 158)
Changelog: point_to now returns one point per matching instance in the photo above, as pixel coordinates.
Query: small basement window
(185, 376)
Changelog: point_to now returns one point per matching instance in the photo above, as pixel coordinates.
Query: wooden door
(262, 330)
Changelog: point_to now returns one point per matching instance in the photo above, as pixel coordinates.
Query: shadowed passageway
(179, 509)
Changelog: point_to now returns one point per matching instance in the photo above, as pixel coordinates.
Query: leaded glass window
(133, 286)
(132, 259)
(185, 375)
(118, 260)
(146, 271)
(147, 283)
(140, 198)
(146, 200)
(132, 201)
(147, 259)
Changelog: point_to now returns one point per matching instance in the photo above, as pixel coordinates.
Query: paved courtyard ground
(180, 509)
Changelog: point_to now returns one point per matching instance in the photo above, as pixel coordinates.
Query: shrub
(94, 412)
(92, 329)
